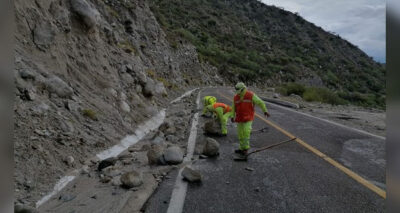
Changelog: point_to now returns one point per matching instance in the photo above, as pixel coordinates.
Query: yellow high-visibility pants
(244, 131)
(223, 119)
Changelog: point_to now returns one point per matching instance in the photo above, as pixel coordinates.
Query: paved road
(343, 171)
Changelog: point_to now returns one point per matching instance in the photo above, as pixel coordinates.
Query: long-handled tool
(244, 157)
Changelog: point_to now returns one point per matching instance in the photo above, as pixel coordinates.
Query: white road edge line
(187, 93)
(141, 131)
(180, 188)
(328, 121)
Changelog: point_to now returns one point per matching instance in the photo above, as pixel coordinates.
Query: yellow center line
(336, 164)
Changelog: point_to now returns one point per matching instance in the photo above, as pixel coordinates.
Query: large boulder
(58, 86)
(149, 88)
(173, 155)
(86, 13)
(155, 155)
(152, 88)
(211, 147)
(61, 15)
(212, 127)
(191, 175)
(131, 179)
(44, 34)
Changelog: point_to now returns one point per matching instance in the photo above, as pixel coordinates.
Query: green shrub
(90, 114)
(322, 95)
(187, 35)
(293, 88)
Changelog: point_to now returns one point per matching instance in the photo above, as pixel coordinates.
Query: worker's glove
(267, 114)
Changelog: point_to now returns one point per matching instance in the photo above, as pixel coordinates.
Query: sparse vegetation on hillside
(249, 41)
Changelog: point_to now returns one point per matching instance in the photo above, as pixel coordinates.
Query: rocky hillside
(87, 72)
(249, 41)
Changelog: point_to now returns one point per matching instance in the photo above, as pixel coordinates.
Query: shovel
(244, 157)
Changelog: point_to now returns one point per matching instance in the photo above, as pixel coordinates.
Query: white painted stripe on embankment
(57, 188)
(187, 93)
(141, 131)
(180, 188)
(130, 140)
(328, 121)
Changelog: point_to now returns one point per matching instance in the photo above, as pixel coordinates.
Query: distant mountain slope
(250, 41)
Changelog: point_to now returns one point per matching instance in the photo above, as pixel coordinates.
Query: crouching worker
(223, 112)
(243, 111)
(208, 100)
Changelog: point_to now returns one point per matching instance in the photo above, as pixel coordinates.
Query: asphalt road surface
(329, 168)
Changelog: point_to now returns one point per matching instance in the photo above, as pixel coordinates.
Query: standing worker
(243, 111)
(208, 100)
(223, 112)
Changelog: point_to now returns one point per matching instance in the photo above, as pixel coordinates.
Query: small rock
(211, 147)
(116, 181)
(69, 160)
(203, 156)
(29, 94)
(59, 87)
(157, 140)
(40, 109)
(85, 169)
(111, 171)
(173, 155)
(257, 189)
(145, 147)
(105, 179)
(27, 74)
(380, 127)
(191, 175)
(94, 197)
(171, 138)
(125, 156)
(66, 197)
(276, 95)
(127, 162)
(125, 107)
(296, 97)
(164, 126)
(106, 163)
(131, 179)
(227, 182)
(170, 131)
(249, 169)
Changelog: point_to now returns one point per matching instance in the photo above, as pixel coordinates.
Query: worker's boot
(242, 152)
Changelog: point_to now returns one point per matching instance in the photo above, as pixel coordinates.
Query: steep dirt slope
(87, 72)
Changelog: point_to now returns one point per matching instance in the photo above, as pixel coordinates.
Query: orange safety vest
(244, 109)
(226, 107)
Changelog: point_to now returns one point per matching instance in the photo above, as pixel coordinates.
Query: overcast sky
(362, 22)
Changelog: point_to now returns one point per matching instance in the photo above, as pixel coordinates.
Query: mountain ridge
(256, 43)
